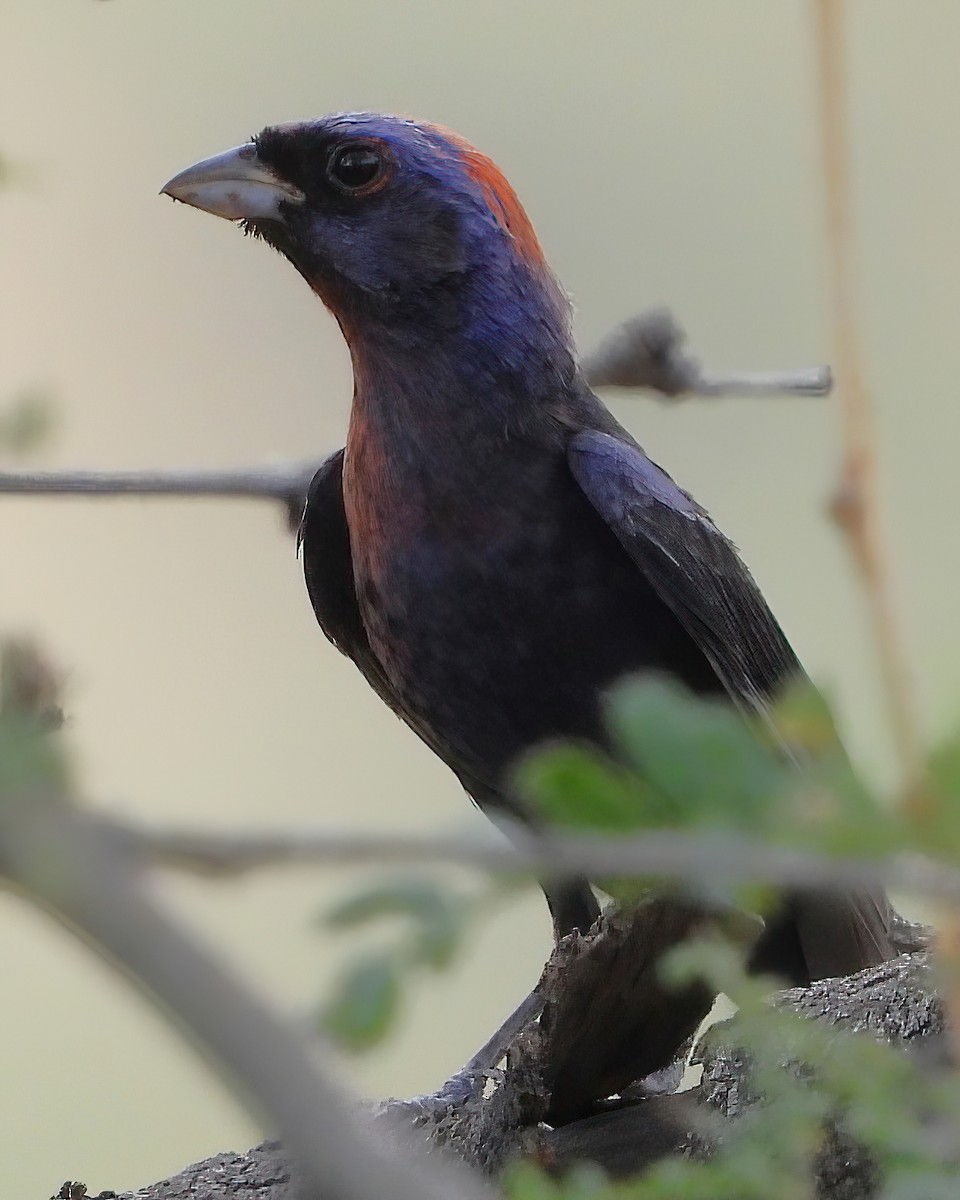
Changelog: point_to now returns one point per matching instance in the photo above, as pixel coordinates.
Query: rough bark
(894, 1002)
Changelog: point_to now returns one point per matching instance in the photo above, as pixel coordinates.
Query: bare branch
(271, 482)
(283, 482)
(893, 1002)
(658, 853)
(644, 352)
(647, 351)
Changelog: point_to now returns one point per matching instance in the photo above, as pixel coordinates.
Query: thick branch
(72, 866)
(894, 1002)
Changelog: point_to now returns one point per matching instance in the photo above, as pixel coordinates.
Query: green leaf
(363, 1009)
(30, 757)
(526, 1181)
(936, 829)
(438, 915)
(26, 423)
(804, 720)
(578, 788)
(703, 761)
(829, 808)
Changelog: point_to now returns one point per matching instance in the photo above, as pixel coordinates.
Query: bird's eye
(356, 168)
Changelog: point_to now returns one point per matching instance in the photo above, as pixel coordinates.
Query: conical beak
(235, 185)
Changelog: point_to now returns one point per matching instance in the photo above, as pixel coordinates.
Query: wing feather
(692, 567)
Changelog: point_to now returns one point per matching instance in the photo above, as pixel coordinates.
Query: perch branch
(894, 1002)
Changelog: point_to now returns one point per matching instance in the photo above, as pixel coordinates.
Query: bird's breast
(439, 545)
(498, 603)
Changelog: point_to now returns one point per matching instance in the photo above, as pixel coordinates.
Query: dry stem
(856, 505)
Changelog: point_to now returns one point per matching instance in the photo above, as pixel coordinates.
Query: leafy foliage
(368, 996)
(29, 710)
(698, 765)
(688, 763)
(903, 1115)
(704, 768)
(683, 763)
(362, 1010)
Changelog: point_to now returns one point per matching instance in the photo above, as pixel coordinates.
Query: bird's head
(395, 224)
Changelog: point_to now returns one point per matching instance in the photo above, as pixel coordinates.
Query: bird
(491, 547)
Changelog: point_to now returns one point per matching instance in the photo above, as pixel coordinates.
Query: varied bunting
(491, 548)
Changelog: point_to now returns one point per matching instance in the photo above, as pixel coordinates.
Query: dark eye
(355, 168)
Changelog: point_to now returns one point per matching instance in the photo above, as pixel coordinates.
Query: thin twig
(283, 482)
(644, 352)
(271, 482)
(856, 504)
(647, 351)
(657, 853)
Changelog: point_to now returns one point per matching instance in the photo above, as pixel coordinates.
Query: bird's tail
(821, 934)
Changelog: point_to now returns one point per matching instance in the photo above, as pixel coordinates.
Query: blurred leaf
(803, 718)
(704, 763)
(406, 897)
(29, 757)
(937, 828)
(29, 713)
(830, 807)
(363, 1008)
(367, 998)
(526, 1181)
(438, 915)
(29, 684)
(578, 788)
(832, 810)
(945, 766)
(26, 423)
(923, 1183)
(695, 763)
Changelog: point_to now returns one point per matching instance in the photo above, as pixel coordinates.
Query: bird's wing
(698, 574)
(691, 566)
(324, 541)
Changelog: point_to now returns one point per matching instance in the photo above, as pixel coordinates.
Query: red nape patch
(499, 195)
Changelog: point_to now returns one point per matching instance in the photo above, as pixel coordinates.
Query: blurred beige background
(666, 150)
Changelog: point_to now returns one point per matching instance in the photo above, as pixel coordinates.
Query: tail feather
(820, 935)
